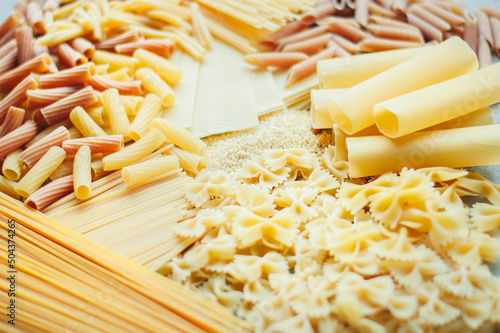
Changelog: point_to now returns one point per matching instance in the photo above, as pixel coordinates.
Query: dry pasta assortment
(358, 225)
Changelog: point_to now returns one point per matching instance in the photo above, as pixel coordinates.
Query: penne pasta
(34, 153)
(49, 193)
(134, 152)
(484, 53)
(190, 162)
(396, 33)
(353, 113)
(38, 98)
(484, 28)
(161, 46)
(35, 177)
(179, 136)
(471, 30)
(150, 109)
(24, 39)
(163, 67)
(128, 88)
(69, 56)
(272, 40)
(320, 11)
(384, 44)
(301, 36)
(376, 9)
(82, 176)
(275, 59)
(310, 46)
(430, 32)
(116, 113)
(446, 15)
(12, 166)
(156, 85)
(140, 172)
(14, 119)
(345, 43)
(83, 46)
(84, 123)
(458, 96)
(97, 144)
(361, 12)
(17, 96)
(429, 17)
(348, 31)
(8, 187)
(10, 79)
(400, 6)
(115, 61)
(61, 109)
(126, 37)
(77, 75)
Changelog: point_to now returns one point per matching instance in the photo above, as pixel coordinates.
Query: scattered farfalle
(218, 251)
(359, 236)
(297, 201)
(485, 217)
(475, 309)
(256, 290)
(464, 282)
(319, 179)
(339, 169)
(347, 308)
(276, 159)
(476, 183)
(177, 269)
(297, 324)
(402, 305)
(252, 268)
(217, 289)
(434, 311)
(255, 171)
(201, 223)
(208, 186)
(256, 200)
(494, 290)
(332, 325)
(397, 246)
(443, 174)
(277, 232)
(472, 249)
(316, 303)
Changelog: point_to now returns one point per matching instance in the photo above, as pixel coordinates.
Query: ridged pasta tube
(140, 172)
(179, 136)
(82, 175)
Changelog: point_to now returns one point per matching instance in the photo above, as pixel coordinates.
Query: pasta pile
(84, 83)
(290, 244)
(67, 283)
(343, 28)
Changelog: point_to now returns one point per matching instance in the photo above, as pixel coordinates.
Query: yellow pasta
(12, 165)
(134, 152)
(116, 113)
(131, 103)
(190, 162)
(41, 171)
(156, 85)
(166, 69)
(137, 173)
(115, 61)
(82, 177)
(320, 117)
(8, 187)
(179, 136)
(149, 110)
(84, 123)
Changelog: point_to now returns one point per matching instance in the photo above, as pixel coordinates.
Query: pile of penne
(80, 96)
(342, 28)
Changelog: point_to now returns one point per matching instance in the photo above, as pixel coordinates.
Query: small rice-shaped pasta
(97, 144)
(166, 69)
(13, 120)
(128, 88)
(40, 172)
(17, 138)
(143, 171)
(69, 56)
(61, 109)
(190, 162)
(83, 46)
(84, 123)
(12, 165)
(73, 76)
(17, 96)
(162, 46)
(156, 85)
(115, 61)
(134, 152)
(149, 110)
(179, 136)
(24, 38)
(38, 98)
(49, 193)
(31, 155)
(10, 79)
(82, 176)
(8, 187)
(116, 113)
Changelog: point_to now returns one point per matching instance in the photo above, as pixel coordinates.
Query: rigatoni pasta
(49, 193)
(17, 96)
(61, 109)
(14, 119)
(77, 75)
(116, 113)
(150, 109)
(40, 64)
(12, 166)
(163, 67)
(139, 172)
(17, 137)
(84, 123)
(33, 153)
(179, 136)
(82, 176)
(38, 98)
(97, 144)
(156, 85)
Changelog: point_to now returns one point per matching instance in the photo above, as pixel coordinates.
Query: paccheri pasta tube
(320, 117)
(438, 103)
(458, 147)
(353, 111)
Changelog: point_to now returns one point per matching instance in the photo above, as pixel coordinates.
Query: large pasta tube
(438, 103)
(458, 147)
(345, 72)
(320, 117)
(353, 111)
